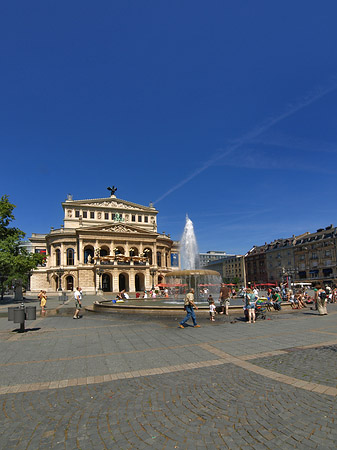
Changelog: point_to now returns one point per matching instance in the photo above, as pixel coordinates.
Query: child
(210, 299)
(212, 311)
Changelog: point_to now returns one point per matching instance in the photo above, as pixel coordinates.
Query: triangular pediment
(109, 203)
(117, 228)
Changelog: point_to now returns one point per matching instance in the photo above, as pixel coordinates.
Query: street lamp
(100, 273)
(152, 273)
(59, 275)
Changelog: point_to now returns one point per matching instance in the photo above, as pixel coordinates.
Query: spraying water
(188, 247)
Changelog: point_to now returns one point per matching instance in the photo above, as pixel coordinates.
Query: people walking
(189, 306)
(321, 301)
(78, 302)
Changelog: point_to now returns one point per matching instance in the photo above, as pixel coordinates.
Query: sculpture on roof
(112, 190)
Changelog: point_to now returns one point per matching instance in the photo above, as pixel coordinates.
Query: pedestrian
(224, 298)
(212, 311)
(189, 306)
(321, 301)
(78, 302)
(250, 305)
(43, 302)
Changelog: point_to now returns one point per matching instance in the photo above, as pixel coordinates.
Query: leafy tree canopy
(15, 260)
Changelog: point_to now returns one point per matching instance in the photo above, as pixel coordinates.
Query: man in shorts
(224, 298)
(78, 302)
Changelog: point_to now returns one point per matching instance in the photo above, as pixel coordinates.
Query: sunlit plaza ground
(121, 381)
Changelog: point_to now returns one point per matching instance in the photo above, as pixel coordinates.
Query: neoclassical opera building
(105, 244)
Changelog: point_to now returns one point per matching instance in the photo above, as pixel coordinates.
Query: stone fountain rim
(181, 273)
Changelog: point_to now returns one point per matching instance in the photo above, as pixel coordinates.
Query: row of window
(109, 216)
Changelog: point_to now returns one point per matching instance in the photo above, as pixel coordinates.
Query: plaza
(135, 382)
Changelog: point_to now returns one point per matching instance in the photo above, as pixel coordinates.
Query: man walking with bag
(188, 306)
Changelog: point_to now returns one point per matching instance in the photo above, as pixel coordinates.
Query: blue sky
(225, 110)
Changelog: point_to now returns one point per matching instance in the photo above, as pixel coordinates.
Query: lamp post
(100, 273)
(152, 273)
(59, 275)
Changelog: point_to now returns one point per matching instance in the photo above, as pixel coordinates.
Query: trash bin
(19, 315)
(30, 312)
(11, 312)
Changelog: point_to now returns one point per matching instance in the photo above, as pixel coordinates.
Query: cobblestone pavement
(119, 382)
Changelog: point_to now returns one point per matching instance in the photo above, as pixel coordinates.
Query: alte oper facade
(105, 244)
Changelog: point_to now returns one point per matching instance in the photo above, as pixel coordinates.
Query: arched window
(70, 282)
(139, 282)
(103, 252)
(70, 257)
(57, 257)
(133, 251)
(123, 282)
(159, 259)
(148, 254)
(106, 283)
(88, 251)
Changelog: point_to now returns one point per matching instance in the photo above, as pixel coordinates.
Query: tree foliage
(15, 260)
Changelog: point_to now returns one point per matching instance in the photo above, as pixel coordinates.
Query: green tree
(15, 260)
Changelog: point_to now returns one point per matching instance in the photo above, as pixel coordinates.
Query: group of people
(274, 299)
(298, 300)
(189, 305)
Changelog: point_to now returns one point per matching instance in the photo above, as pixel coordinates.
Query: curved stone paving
(223, 407)
(207, 388)
(317, 365)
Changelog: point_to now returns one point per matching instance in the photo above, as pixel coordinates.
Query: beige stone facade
(231, 268)
(105, 244)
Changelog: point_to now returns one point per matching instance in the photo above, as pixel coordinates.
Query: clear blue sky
(225, 110)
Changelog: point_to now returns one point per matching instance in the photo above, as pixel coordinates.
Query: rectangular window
(146, 219)
(77, 213)
(92, 215)
(85, 214)
(133, 218)
(113, 216)
(106, 216)
(139, 218)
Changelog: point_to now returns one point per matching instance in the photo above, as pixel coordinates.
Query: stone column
(132, 287)
(115, 280)
(62, 255)
(81, 252)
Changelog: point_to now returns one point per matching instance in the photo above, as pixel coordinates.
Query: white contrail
(292, 109)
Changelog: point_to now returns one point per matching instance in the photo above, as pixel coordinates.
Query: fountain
(203, 281)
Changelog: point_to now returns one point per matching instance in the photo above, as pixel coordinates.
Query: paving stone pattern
(318, 365)
(136, 383)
